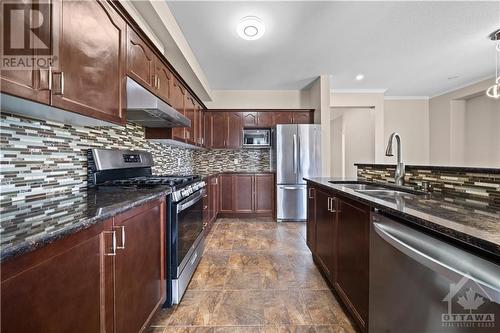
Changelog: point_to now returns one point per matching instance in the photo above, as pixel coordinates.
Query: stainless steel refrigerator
(296, 154)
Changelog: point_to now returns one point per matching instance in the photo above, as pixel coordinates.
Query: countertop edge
(33, 244)
(470, 240)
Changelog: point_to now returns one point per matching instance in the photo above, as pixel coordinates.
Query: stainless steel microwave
(256, 138)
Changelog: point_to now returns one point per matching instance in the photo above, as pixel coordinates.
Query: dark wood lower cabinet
(338, 231)
(325, 233)
(352, 252)
(76, 284)
(247, 194)
(264, 193)
(243, 195)
(311, 219)
(65, 289)
(139, 266)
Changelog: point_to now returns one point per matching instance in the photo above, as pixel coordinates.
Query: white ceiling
(408, 48)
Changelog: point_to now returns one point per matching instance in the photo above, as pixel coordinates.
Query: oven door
(189, 228)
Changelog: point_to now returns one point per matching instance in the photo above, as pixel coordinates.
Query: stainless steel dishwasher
(419, 283)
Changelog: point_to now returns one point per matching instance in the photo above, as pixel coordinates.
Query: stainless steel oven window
(189, 224)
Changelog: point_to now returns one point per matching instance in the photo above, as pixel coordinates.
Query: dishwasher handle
(439, 256)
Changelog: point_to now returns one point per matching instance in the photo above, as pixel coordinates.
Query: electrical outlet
(236, 161)
(179, 162)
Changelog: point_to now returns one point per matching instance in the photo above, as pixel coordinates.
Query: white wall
(373, 100)
(443, 138)
(481, 128)
(353, 133)
(410, 118)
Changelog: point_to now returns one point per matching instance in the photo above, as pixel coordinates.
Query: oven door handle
(190, 201)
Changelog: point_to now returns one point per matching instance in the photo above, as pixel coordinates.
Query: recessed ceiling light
(360, 77)
(251, 28)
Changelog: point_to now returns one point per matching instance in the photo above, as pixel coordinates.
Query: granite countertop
(474, 223)
(28, 225)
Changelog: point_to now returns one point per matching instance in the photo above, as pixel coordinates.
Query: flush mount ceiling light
(360, 77)
(251, 28)
(494, 90)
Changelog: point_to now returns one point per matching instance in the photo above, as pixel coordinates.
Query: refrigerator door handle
(295, 154)
(298, 154)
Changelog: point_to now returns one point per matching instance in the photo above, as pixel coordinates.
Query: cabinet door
(140, 60)
(92, 43)
(234, 137)
(226, 194)
(163, 78)
(139, 266)
(178, 102)
(311, 219)
(201, 125)
(243, 193)
(70, 290)
(29, 83)
(352, 279)
(250, 119)
(265, 119)
(283, 117)
(191, 114)
(219, 129)
(264, 193)
(302, 117)
(208, 118)
(325, 233)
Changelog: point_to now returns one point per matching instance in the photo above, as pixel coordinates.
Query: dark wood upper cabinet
(64, 288)
(90, 77)
(325, 233)
(226, 193)
(302, 117)
(139, 266)
(250, 119)
(218, 130)
(283, 117)
(140, 60)
(30, 83)
(178, 102)
(243, 193)
(264, 193)
(191, 132)
(162, 80)
(265, 119)
(311, 219)
(234, 138)
(352, 252)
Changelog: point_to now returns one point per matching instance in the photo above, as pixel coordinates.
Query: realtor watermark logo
(468, 306)
(26, 35)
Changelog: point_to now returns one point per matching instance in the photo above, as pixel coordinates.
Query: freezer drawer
(291, 205)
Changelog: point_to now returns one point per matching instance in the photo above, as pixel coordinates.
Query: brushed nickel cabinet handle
(311, 196)
(159, 81)
(122, 247)
(62, 83)
(113, 253)
(50, 77)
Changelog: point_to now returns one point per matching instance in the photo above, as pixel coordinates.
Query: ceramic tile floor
(256, 276)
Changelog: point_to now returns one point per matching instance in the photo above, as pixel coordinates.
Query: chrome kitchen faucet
(399, 175)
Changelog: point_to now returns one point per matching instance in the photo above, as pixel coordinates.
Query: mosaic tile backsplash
(40, 158)
(467, 185)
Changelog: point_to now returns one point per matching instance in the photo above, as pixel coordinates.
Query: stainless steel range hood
(146, 109)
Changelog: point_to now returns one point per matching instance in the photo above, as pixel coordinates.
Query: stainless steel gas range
(125, 170)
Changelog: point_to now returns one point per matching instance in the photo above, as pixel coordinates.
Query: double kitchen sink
(376, 189)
